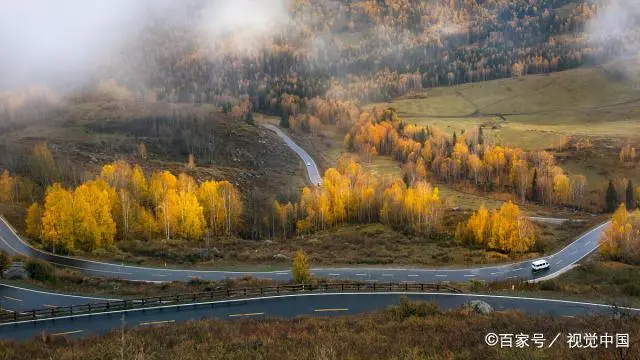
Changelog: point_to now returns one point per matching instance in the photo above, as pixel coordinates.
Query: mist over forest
(254, 54)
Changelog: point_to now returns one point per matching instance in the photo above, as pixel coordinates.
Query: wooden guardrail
(216, 295)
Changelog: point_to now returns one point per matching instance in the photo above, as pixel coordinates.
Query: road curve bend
(312, 304)
(312, 169)
(574, 252)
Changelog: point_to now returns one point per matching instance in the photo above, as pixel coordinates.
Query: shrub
(550, 285)
(39, 270)
(631, 289)
(5, 260)
(476, 285)
(408, 308)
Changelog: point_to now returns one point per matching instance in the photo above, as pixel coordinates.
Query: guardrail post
(15, 316)
(33, 314)
(406, 286)
(358, 286)
(228, 292)
(374, 287)
(245, 291)
(342, 287)
(278, 289)
(261, 291)
(438, 287)
(421, 287)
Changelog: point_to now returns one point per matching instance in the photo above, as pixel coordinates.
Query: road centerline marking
(11, 298)
(157, 322)
(67, 333)
(246, 314)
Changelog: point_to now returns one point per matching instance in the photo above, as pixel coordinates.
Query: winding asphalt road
(20, 299)
(560, 261)
(584, 245)
(329, 304)
(17, 299)
(312, 169)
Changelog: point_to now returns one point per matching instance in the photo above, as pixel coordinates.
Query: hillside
(86, 135)
(540, 111)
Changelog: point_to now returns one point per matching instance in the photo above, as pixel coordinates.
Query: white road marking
(11, 298)
(574, 251)
(50, 306)
(361, 274)
(282, 273)
(67, 333)
(441, 275)
(518, 269)
(248, 314)
(558, 262)
(334, 274)
(412, 275)
(328, 310)
(157, 322)
(494, 273)
(470, 275)
(158, 275)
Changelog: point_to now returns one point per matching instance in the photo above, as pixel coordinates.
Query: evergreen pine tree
(630, 197)
(284, 119)
(611, 199)
(249, 118)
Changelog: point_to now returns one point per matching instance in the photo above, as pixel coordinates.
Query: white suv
(539, 265)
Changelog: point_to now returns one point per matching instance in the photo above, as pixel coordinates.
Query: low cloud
(64, 42)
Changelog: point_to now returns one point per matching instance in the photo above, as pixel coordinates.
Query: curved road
(18, 299)
(313, 304)
(559, 261)
(312, 169)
